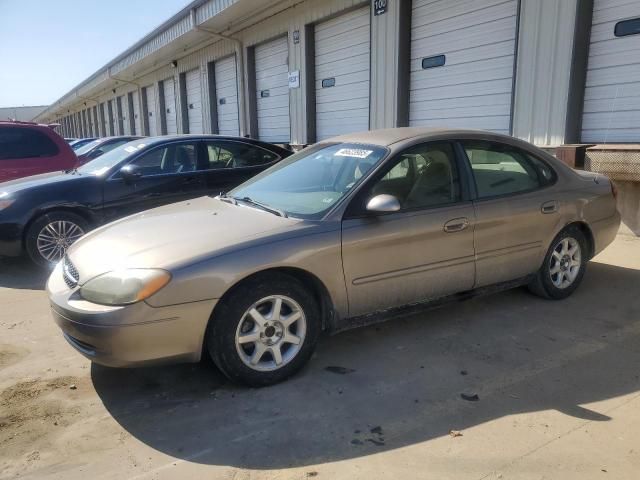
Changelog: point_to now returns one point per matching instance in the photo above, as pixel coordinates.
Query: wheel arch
(588, 235)
(308, 279)
(54, 209)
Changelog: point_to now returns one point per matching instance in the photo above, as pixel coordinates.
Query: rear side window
(504, 170)
(25, 143)
(224, 154)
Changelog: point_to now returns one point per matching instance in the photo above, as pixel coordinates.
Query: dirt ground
(557, 385)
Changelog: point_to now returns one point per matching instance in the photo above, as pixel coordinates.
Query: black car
(100, 146)
(44, 214)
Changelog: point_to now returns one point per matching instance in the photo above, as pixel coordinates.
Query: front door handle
(549, 207)
(456, 225)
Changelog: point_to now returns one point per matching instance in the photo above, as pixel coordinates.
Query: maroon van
(29, 149)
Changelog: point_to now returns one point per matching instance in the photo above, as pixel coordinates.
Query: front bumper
(129, 336)
(10, 239)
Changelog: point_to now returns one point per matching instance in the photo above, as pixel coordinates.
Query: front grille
(69, 273)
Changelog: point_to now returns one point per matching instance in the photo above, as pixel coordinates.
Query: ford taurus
(346, 232)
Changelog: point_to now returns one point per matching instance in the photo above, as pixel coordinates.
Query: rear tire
(265, 330)
(563, 267)
(50, 235)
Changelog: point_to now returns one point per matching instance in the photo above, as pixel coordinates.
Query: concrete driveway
(557, 385)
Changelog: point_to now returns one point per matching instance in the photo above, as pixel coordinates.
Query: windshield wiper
(264, 207)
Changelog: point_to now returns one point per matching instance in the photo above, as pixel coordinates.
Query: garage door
(342, 74)
(104, 120)
(227, 96)
(136, 113)
(111, 110)
(86, 124)
(169, 89)
(123, 116)
(194, 101)
(612, 94)
(150, 92)
(462, 59)
(96, 122)
(272, 96)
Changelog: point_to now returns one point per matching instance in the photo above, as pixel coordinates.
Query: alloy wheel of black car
(50, 235)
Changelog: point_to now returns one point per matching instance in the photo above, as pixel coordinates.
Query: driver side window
(173, 158)
(421, 177)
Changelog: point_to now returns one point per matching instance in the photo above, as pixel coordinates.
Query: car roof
(164, 138)
(168, 138)
(389, 136)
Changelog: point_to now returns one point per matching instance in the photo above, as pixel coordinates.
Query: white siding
(170, 113)
(227, 96)
(151, 110)
(473, 88)
(612, 94)
(272, 96)
(194, 101)
(136, 113)
(342, 52)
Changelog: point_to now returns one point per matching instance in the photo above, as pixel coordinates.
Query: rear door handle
(549, 207)
(456, 225)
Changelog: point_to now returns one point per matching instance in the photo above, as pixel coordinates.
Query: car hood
(14, 186)
(175, 235)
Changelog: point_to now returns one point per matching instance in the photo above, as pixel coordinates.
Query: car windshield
(309, 183)
(105, 162)
(87, 147)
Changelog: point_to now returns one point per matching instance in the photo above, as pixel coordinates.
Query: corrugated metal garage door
(473, 87)
(227, 96)
(111, 110)
(92, 123)
(136, 113)
(194, 101)
(96, 122)
(123, 116)
(170, 106)
(612, 94)
(342, 74)
(104, 122)
(272, 96)
(151, 110)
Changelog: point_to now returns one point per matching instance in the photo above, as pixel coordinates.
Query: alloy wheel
(271, 333)
(565, 262)
(56, 237)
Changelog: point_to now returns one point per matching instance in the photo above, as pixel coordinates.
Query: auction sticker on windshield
(353, 152)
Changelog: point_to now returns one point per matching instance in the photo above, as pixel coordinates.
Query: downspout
(240, 59)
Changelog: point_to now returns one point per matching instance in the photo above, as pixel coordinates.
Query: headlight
(125, 286)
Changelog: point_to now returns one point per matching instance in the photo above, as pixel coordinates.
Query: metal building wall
(541, 86)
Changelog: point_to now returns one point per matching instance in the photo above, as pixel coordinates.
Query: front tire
(50, 235)
(265, 330)
(563, 267)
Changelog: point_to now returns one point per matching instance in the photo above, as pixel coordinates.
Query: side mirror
(383, 204)
(130, 173)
